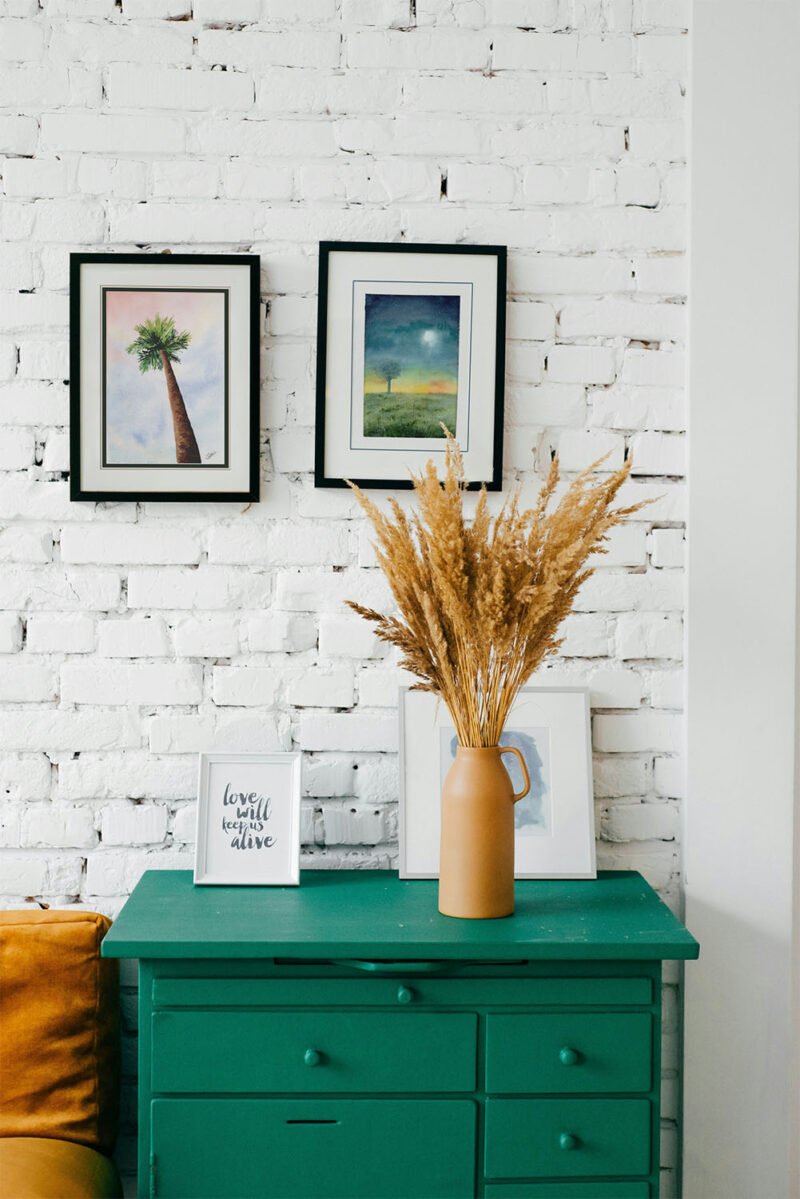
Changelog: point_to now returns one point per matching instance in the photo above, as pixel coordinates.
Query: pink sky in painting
(196, 311)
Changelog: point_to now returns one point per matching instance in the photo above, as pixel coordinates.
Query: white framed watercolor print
(248, 820)
(554, 823)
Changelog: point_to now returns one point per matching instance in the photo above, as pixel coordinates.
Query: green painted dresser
(341, 1039)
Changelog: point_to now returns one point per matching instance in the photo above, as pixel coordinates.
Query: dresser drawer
(569, 1053)
(313, 1149)
(567, 1138)
(384, 990)
(245, 1051)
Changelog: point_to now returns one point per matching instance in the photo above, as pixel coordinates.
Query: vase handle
(512, 749)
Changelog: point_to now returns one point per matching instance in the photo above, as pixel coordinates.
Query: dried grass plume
(480, 603)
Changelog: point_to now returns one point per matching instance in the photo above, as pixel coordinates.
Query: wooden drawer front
(569, 1053)
(313, 1149)
(313, 1051)
(455, 991)
(567, 1138)
(567, 1190)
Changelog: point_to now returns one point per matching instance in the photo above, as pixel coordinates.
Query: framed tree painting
(410, 341)
(164, 377)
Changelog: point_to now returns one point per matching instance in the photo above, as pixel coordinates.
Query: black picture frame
(326, 248)
(248, 493)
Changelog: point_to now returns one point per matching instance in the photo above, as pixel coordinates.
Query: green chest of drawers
(342, 1040)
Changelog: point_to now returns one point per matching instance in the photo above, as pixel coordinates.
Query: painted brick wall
(131, 636)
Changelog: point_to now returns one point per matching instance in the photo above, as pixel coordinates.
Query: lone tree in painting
(157, 346)
(390, 370)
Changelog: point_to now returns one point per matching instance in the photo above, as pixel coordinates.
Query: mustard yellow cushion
(36, 1168)
(59, 1029)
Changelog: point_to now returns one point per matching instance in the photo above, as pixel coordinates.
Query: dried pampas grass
(479, 604)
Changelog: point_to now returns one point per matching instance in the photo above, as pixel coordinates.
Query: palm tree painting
(157, 346)
(165, 377)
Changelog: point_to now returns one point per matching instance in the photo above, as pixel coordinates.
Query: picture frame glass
(136, 424)
(553, 824)
(410, 340)
(248, 819)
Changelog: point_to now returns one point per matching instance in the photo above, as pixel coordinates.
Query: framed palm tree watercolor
(164, 377)
(410, 341)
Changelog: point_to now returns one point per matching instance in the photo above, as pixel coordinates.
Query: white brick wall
(132, 636)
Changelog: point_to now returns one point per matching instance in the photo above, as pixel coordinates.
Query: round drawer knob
(569, 1057)
(568, 1141)
(312, 1057)
(404, 994)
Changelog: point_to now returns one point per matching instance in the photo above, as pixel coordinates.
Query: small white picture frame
(248, 820)
(554, 824)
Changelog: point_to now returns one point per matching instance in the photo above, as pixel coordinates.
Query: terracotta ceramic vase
(476, 864)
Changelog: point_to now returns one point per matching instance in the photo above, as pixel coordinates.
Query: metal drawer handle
(568, 1140)
(404, 994)
(312, 1057)
(569, 1057)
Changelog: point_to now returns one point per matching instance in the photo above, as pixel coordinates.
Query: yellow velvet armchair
(59, 1057)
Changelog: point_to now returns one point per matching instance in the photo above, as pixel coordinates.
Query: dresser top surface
(373, 913)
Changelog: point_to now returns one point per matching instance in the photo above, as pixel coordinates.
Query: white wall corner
(739, 1117)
